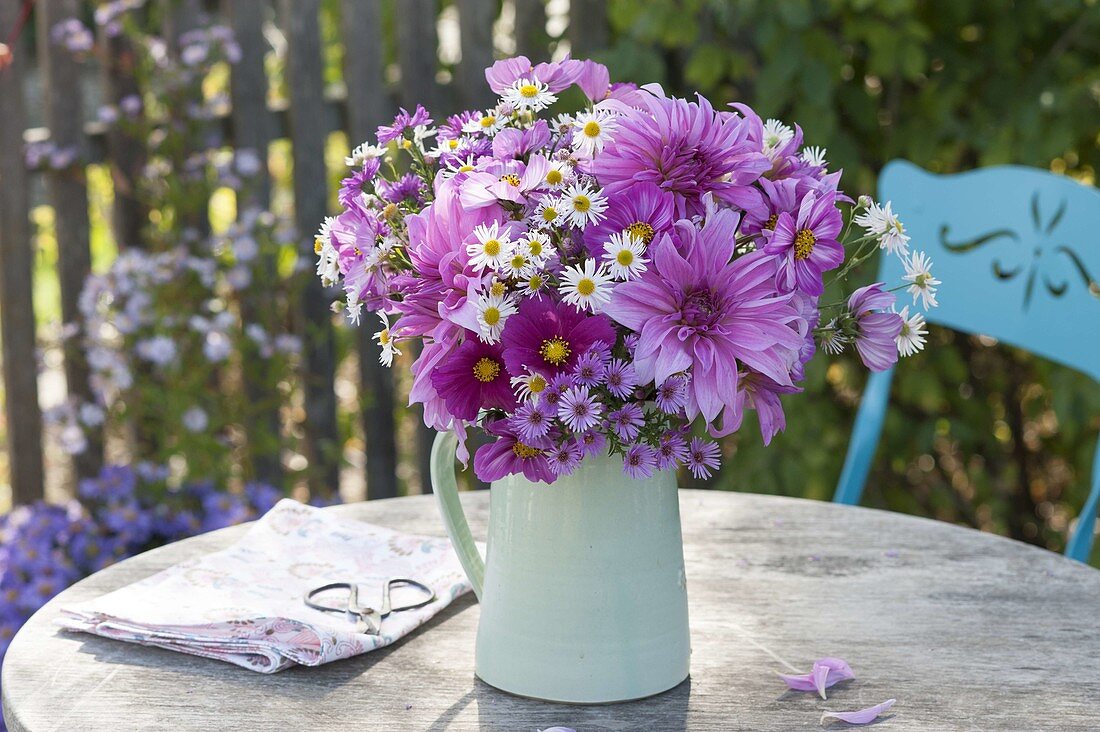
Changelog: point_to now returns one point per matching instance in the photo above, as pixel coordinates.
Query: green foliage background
(977, 433)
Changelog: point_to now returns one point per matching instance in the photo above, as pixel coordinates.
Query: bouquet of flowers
(600, 281)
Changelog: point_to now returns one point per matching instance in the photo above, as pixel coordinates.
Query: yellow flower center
(537, 384)
(586, 287)
(465, 168)
(641, 230)
(488, 120)
(525, 452)
(407, 144)
(804, 242)
(770, 223)
(535, 246)
(486, 369)
(519, 261)
(491, 316)
(581, 203)
(384, 336)
(389, 211)
(511, 179)
(535, 283)
(555, 351)
(453, 144)
(496, 289)
(554, 177)
(529, 91)
(592, 129)
(317, 246)
(492, 247)
(549, 213)
(625, 257)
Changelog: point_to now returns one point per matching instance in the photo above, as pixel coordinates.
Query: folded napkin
(244, 604)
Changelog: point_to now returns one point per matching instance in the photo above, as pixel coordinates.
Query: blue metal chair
(1018, 250)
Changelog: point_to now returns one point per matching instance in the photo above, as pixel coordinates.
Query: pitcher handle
(446, 492)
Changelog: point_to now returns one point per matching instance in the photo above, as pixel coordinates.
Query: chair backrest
(1018, 251)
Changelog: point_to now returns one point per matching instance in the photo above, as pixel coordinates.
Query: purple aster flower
(591, 442)
(556, 388)
(602, 351)
(702, 458)
(696, 309)
(644, 210)
(532, 420)
(672, 394)
(405, 188)
(671, 450)
(639, 461)
(590, 370)
(564, 458)
(686, 148)
(876, 326)
(508, 455)
(452, 128)
(807, 244)
(548, 336)
(403, 121)
(579, 410)
(620, 378)
(472, 378)
(627, 422)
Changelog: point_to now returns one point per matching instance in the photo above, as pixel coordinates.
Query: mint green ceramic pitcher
(582, 588)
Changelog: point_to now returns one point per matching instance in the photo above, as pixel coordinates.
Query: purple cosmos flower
(627, 422)
(564, 458)
(590, 370)
(403, 121)
(512, 142)
(672, 394)
(532, 420)
(807, 244)
(548, 336)
(621, 378)
(697, 310)
(591, 442)
(643, 209)
(686, 148)
(702, 458)
(862, 716)
(508, 455)
(671, 450)
(639, 461)
(557, 75)
(825, 673)
(877, 327)
(473, 377)
(579, 410)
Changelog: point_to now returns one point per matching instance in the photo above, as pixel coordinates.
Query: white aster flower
(910, 339)
(879, 221)
(530, 94)
(538, 247)
(528, 386)
(814, 157)
(559, 174)
(832, 340)
(550, 212)
(534, 282)
(583, 205)
(519, 264)
(623, 255)
(776, 135)
(561, 123)
(363, 153)
(493, 311)
(586, 287)
(592, 130)
(354, 309)
(385, 341)
(486, 124)
(918, 273)
(455, 167)
(492, 249)
(328, 263)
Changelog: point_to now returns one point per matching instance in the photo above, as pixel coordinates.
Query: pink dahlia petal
(861, 716)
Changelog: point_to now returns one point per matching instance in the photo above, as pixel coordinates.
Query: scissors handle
(427, 592)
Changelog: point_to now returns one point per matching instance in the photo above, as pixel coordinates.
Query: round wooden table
(967, 631)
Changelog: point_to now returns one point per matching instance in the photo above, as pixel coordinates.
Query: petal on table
(826, 672)
(861, 716)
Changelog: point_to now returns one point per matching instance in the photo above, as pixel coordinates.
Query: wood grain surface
(967, 631)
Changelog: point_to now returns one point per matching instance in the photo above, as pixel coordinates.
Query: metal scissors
(366, 618)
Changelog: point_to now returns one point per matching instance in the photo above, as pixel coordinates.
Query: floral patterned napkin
(244, 604)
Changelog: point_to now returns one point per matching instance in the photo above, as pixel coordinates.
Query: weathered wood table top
(967, 631)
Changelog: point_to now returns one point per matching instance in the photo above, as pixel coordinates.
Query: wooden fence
(248, 124)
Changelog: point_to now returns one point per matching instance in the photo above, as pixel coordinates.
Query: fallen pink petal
(861, 716)
(825, 673)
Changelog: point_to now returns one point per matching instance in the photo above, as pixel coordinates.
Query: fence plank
(588, 29)
(251, 132)
(24, 418)
(530, 30)
(63, 97)
(367, 106)
(476, 41)
(416, 33)
(307, 134)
